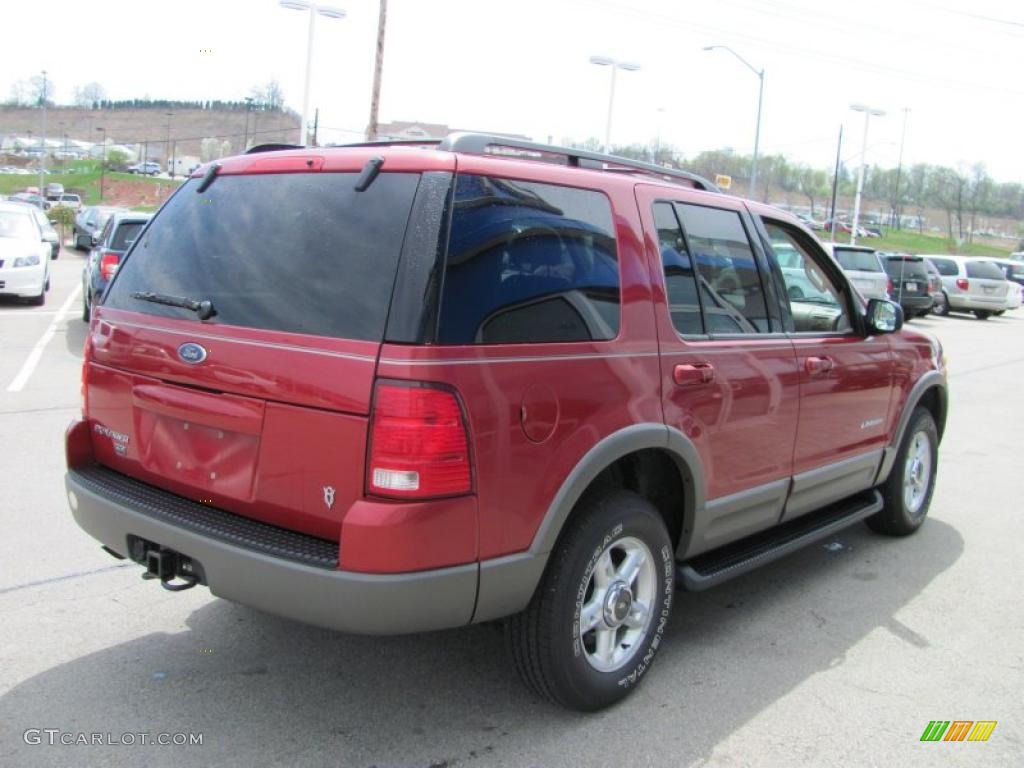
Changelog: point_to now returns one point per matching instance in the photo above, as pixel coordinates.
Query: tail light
(889, 286)
(108, 264)
(418, 443)
(962, 284)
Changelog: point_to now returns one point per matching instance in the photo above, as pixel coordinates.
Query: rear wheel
(907, 493)
(982, 314)
(943, 308)
(599, 614)
(999, 312)
(86, 306)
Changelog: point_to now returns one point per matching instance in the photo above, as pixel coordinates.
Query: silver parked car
(864, 268)
(971, 285)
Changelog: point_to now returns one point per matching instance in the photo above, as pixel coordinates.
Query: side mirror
(94, 240)
(884, 316)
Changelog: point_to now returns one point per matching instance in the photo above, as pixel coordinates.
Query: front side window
(816, 302)
(730, 287)
(528, 262)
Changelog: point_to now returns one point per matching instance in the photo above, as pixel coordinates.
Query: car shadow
(266, 691)
(76, 331)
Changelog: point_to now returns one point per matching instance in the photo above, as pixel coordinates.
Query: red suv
(389, 389)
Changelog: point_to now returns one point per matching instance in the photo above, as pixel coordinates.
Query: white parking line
(37, 351)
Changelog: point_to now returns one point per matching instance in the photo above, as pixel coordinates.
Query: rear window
(528, 263)
(301, 253)
(906, 268)
(860, 261)
(946, 267)
(984, 270)
(125, 235)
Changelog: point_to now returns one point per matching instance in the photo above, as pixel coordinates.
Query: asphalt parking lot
(839, 655)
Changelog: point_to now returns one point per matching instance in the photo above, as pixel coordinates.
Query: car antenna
(370, 172)
(208, 178)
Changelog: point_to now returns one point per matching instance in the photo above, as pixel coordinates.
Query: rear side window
(984, 270)
(301, 253)
(125, 235)
(946, 267)
(680, 281)
(859, 261)
(730, 287)
(528, 262)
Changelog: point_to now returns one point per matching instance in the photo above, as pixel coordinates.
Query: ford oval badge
(192, 353)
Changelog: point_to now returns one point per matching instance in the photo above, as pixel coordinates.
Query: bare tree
(88, 95)
(269, 96)
(41, 89)
(19, 93)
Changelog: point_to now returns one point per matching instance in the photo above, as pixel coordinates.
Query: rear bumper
(990, 303)
(324, 596)
(916, 303)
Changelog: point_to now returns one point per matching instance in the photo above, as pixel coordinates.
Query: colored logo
(958, 730)
(192, 353)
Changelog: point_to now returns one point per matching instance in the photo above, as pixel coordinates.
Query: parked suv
(864, 269)
(909, 283)
(972, 285)
(386, 389)
(118, 234)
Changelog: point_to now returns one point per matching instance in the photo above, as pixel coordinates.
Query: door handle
(816, 366)
(693, 374)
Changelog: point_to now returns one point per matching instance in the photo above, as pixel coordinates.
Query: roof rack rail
(391, 143)
(271, 148)
(479, 143)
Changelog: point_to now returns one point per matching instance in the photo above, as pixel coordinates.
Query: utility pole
(316, 127)
(248, 109)
(835, 186)
(899, 170)
(167, 148)
(378, 67)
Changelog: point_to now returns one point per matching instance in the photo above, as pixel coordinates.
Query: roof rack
(480, 143)
(271, 148)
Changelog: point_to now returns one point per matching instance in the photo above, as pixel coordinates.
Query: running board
(711, 568)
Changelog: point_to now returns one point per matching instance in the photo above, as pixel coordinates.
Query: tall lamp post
(899, 170)
(868, 113)
(760, 100)
(168, 158)
(103, 161)
(313, 9)
(42, 142)
(248, 109)
(605, 61)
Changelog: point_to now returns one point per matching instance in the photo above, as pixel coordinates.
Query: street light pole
(868, 112)
(103, 161)
(248, 109)
(313, 9)
(899, 171)
(605, 61)
(760, 100)
(167, 150)
(42, 143)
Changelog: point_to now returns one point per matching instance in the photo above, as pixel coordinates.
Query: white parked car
(864, 268)
(1014, 271)
(68, 200)
(24, 255)
(971, 285)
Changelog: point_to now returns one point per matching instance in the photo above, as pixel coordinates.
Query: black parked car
(909, 283)
(89, 223)
(120, 231)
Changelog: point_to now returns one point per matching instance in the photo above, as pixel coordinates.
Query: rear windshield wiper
(204, 309)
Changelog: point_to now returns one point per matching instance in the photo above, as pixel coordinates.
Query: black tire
(999, 312)
(550, 654)
(944, 309)
(40, 300)
(896, 518)
(86, 306)
(982, 314)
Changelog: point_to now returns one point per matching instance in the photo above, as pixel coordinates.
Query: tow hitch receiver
(176, 571)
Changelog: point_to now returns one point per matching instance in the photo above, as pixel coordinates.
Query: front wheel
(982, 314)
(598, 616)
(907, 493)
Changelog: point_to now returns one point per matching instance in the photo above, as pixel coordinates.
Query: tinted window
(861, 261)
(126, 234)
(303, 253)
(730, 287)
(984, 269)
(528, 262)
(680, 281)
(946, 267)
(816, 300)
(900, 269)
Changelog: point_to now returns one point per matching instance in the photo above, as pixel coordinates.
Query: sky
(951, 70)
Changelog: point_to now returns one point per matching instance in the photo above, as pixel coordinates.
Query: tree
(41, 89)
(19, 94)
(116, 160)
(269, 96)
(89, 95)
(209, 150)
